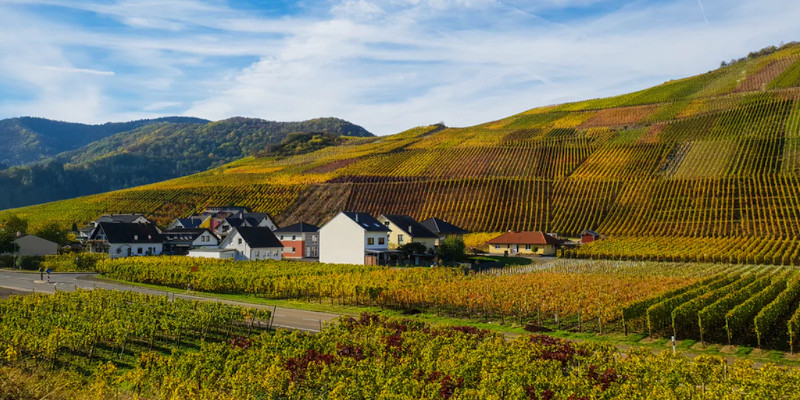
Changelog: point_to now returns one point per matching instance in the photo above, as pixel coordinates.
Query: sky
(388, 65)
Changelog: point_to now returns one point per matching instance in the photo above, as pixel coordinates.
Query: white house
(126, 239)
(405, 229)
(253, 243)
(354, 238)
(87, 231)
(220, 254)
(30, 245)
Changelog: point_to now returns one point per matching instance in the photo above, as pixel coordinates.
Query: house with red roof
(522, 243)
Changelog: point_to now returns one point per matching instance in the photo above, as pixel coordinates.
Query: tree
(412, 248)
(53, 232)
(451, 249)
(13, 225)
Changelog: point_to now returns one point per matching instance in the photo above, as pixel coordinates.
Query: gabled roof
(410, 226)
(234, 222)
(258, 237)
(191, 222)
(34, 237)
(366, 221)
(121, 232)
(300, 227)
(123, 218)
(589, 232)
(442, 227)
(535, 238)
(181, 234)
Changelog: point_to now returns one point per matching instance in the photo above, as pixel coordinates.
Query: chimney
(410, 231)
(356, 217)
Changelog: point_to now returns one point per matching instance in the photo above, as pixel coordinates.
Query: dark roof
(366, 221)
(410, 226)
(123, 218)
(257, 215)
(181, 234)
(253, 221)
(300, 227)
(442, 227)
(590, 232)
(258, 237)
(191, 222)
(535, 238)
(234, 222)
(121, 232)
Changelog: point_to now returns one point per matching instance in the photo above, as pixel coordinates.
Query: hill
(706, 167)
(29, 139)
(152, 153)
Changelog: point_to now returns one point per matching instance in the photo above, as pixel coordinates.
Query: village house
(222, 220)
(179, 241)
(443, 229)
(86, 232)
(216, 253)
(529, 242)
(588, 236)
(30, 245)
(253, 243)
(299, 240)
(191, 222)
(354, 238)
(120, 239)
(404, 230)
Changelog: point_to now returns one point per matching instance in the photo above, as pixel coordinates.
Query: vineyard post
(673, 345)
(272, 316)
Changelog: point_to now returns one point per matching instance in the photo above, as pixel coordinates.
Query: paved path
(26, 282)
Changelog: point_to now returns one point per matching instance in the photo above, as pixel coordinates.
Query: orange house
(300, 240)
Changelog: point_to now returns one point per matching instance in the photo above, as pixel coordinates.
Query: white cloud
(385, 64)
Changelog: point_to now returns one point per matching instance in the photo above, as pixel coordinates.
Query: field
(710, 158)
(355, 358)
(713, 303)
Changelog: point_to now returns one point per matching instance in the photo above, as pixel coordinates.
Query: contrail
(703, 11)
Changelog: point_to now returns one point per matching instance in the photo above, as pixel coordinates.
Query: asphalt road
(13, 282)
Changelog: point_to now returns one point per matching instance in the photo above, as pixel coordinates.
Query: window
(138, 250)
(370, 241)
(294, 237)
(258, 253)
(135, 237)
(275, 253)
(314, 238)
(381, 241)
(281, 237)
(240, 240)
(527, 247)
(387, 223)
(292, 250)
(497, 247)
(400, 239)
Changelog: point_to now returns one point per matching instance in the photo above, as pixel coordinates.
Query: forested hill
(707, 166)
(150, 152)
(29, 139)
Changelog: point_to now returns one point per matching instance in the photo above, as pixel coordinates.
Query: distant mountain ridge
(151, 151)
(30, 139)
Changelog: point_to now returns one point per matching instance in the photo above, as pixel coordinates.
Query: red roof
(536, 238)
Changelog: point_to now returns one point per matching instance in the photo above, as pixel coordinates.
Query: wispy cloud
(79, 70)
(385, 64)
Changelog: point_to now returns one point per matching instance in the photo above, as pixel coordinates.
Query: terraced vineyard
(700, 168)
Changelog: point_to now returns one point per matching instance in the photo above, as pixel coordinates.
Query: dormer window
(135, 237)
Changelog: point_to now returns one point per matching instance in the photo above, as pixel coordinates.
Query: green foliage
(769, 316)
(451, 249)
(53, 232)
(413, 248)
(162, 150)
(302, 142)
(659, 315)
(742, 315)
(686, 314)
(712, 316)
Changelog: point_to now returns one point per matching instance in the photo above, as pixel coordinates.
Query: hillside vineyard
(710, 163)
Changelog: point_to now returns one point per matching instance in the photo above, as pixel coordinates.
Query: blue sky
(385, 64)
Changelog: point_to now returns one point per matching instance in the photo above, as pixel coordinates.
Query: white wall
(223, 255)
(342, 241)
(211, 240)
(156, 249)
(266, 253)
(377, 236)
